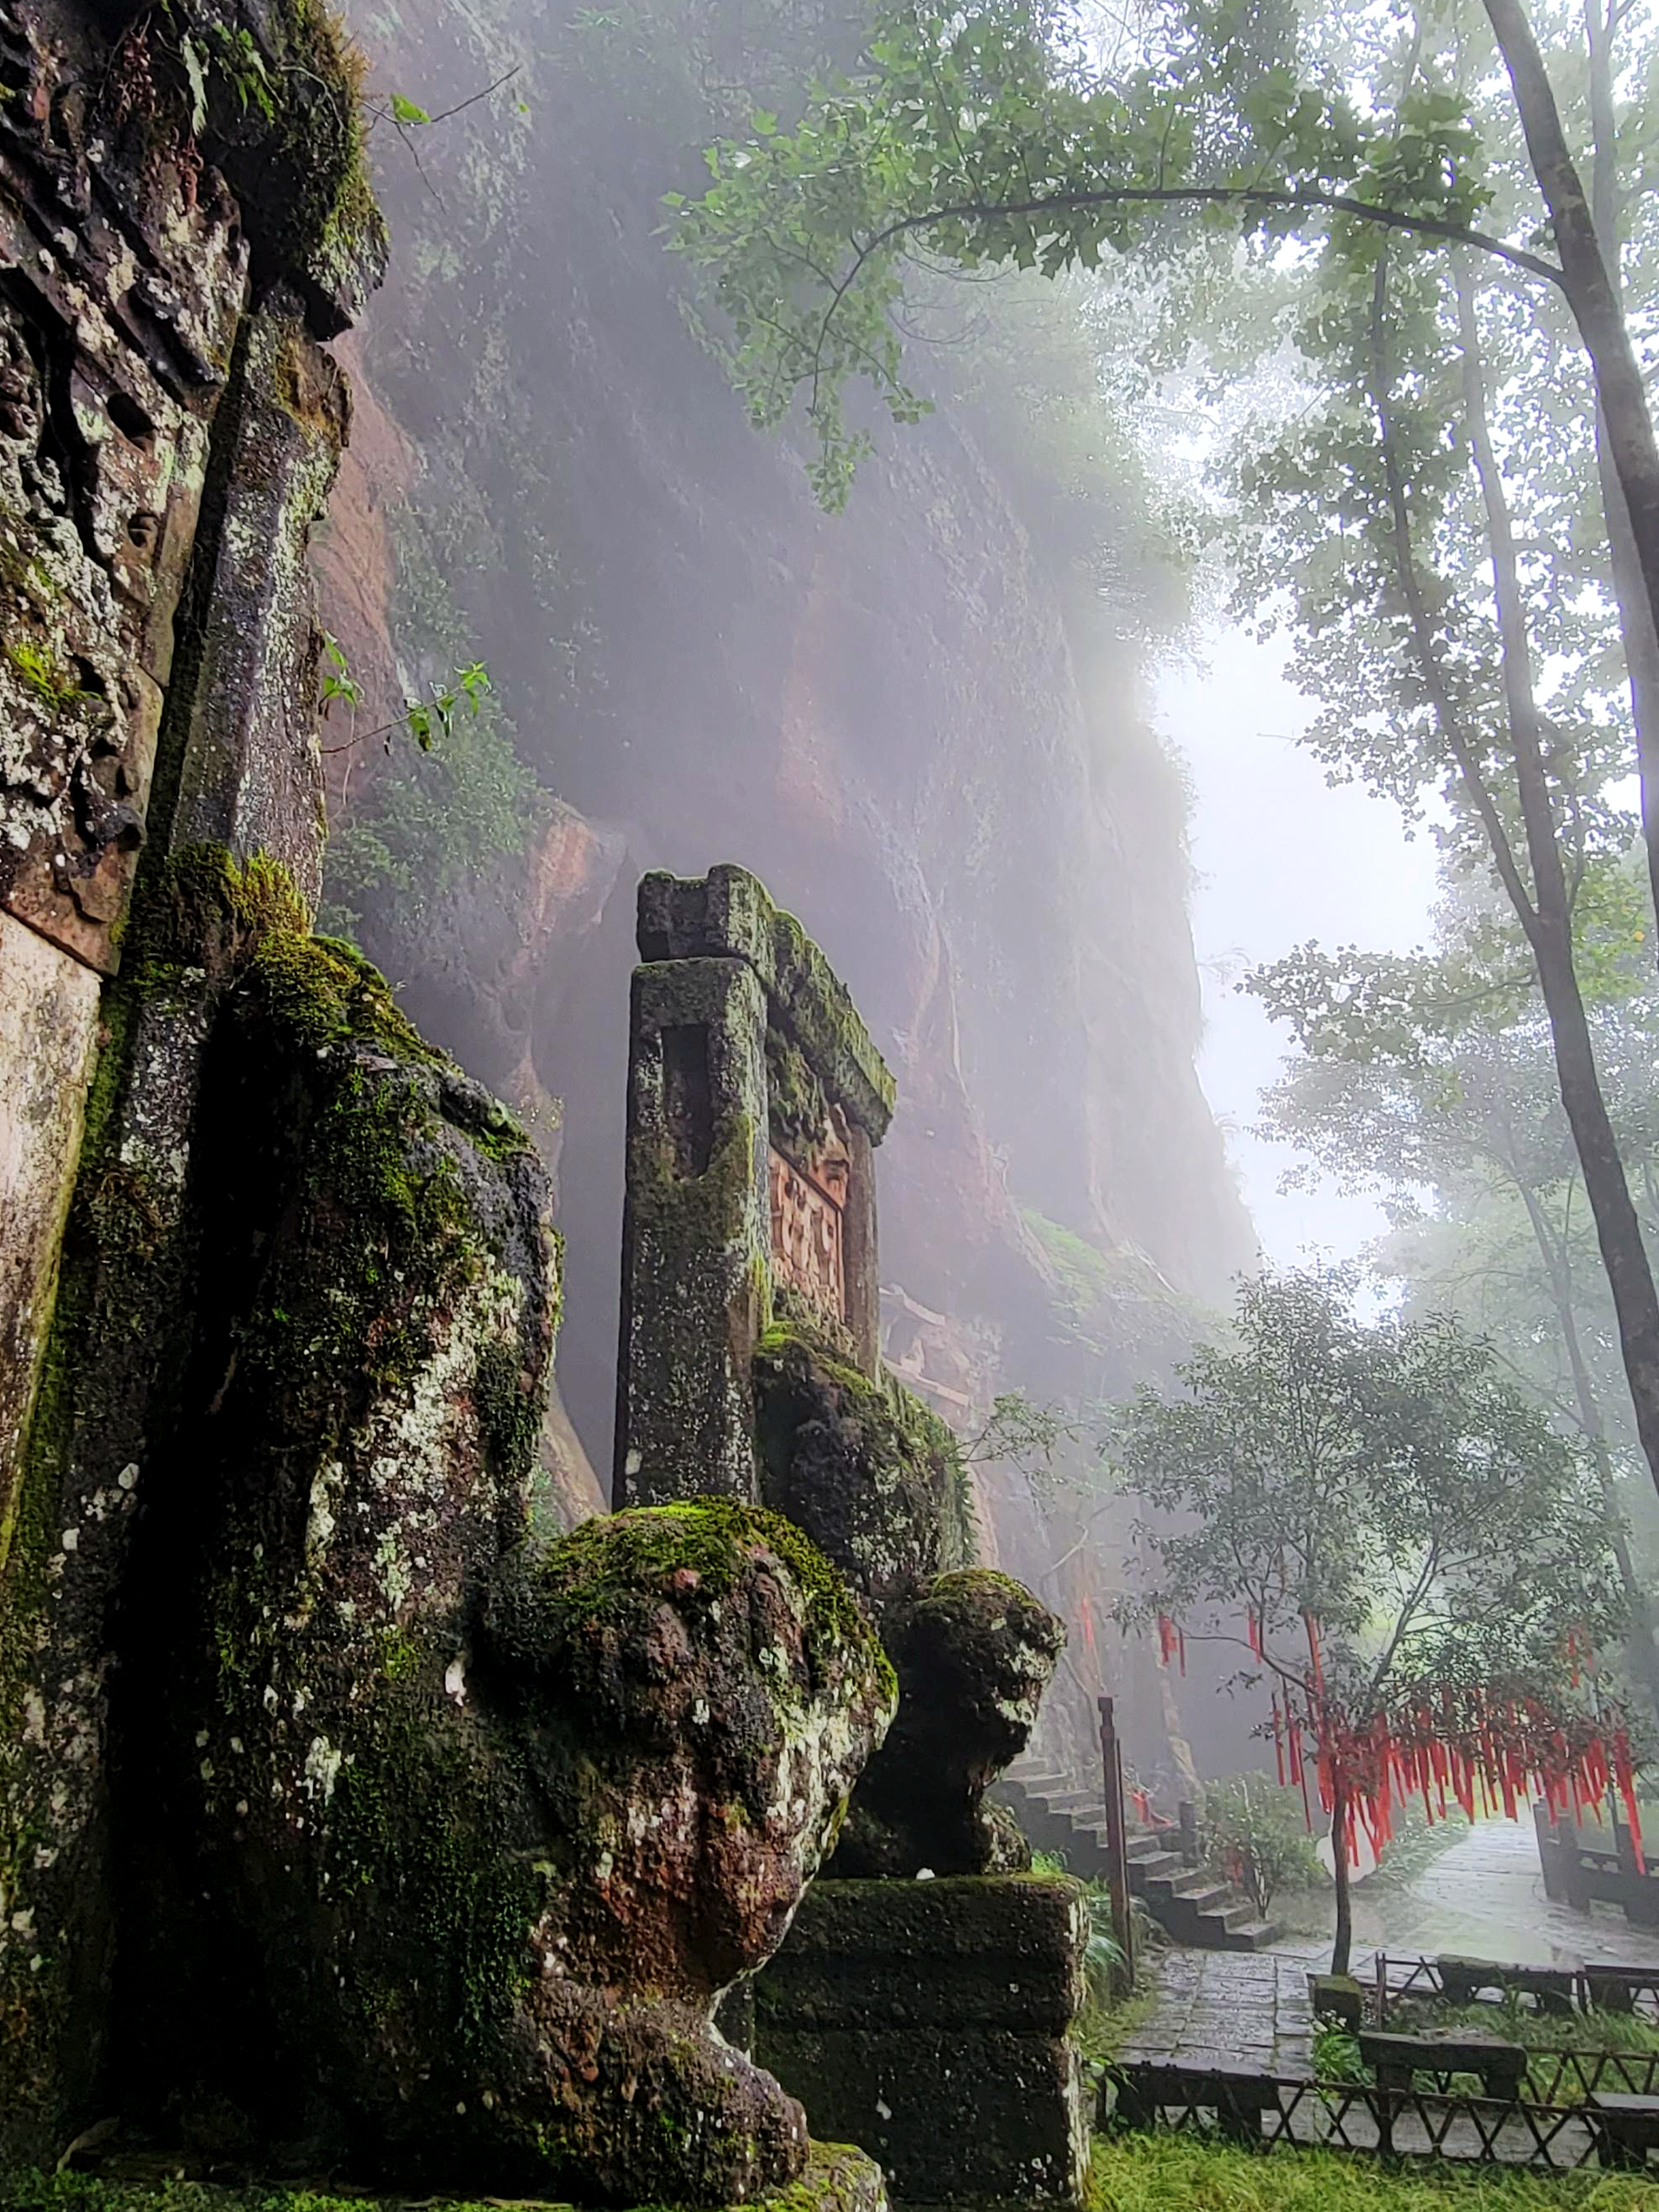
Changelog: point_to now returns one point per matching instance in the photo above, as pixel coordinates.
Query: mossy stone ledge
(863, 1466)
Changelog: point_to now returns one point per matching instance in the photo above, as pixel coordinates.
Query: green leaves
(432, 718)
(338, 686)
(987, 137)
(1386, 1480)
(195, 65)
(428, 720)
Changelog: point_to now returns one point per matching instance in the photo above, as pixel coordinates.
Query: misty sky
(1281, 857)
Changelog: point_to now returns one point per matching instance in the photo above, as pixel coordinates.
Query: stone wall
(183, 222)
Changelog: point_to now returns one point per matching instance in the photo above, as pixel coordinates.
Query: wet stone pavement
(1243, 2007)
(1483, 1898)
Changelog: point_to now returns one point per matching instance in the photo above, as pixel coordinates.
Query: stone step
(1204, 1894)
(1148, 1842)
(1167, 1870)
(1248, 1935)
(1194, 1904)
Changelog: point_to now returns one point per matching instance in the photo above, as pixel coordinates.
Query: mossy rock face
(282, 119)
(974, 1652)
(536, 1843)
(438, 1848)
(862, 1466)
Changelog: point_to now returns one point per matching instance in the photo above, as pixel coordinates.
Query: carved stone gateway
(756, 1102)
(925, 2020)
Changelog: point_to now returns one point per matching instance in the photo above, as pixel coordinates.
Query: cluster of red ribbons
(1473, 1746)
(1171, 1643)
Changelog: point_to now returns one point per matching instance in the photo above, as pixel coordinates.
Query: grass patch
(84, 2193)
(1183, 2173)
(1102, 2030)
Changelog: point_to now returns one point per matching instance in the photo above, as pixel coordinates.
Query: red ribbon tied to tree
(1485, 1745)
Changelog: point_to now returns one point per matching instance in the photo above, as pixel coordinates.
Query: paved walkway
(1483, 1896)
(1242, 2006)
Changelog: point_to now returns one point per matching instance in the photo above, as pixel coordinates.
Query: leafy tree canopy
(994, 135)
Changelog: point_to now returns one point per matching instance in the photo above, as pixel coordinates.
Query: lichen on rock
(494, 1885)
(863, 1466)
(438, 1843)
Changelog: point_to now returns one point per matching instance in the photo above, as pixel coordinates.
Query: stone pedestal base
(926, 2021)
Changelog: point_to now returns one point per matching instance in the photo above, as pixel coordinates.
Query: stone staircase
(1193, 1905)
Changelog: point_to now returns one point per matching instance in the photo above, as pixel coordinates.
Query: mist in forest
(1178, 667)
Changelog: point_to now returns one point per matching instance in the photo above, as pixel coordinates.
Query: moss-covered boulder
(434, 1847)
(974, 1652)
(838, 2178)
(492, 1875)
(871, 1474)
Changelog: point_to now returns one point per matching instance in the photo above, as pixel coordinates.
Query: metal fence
(1566, 2077)
(1266, 2109)
(1605, 1987)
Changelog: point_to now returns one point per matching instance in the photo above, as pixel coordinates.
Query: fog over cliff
(923, 722)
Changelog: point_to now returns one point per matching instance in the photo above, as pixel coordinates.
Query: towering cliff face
(921, 722)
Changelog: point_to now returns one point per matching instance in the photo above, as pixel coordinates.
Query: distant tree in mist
(1408, 1560)
(1429, 1079)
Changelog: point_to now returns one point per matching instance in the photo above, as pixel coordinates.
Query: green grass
(1102, 2030)
(1183, 2173)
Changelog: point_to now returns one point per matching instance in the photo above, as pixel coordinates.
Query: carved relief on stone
(111, 364)
(808, 1202)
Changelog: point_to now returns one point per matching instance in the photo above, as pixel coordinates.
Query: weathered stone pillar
(697, 1285)
(756, 1102)
(164, 450)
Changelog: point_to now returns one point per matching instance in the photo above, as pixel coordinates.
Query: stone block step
(1203, 1893)
(1147, 1844)
(1166, 1870)
(1194, 1904)
(1249, 1935)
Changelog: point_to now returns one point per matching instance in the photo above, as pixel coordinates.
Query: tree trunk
(1643, 1654)
(1635, 620)
(1547, 920)
(1623, 424)
(1342, 1947)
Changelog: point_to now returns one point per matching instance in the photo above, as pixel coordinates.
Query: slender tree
(978, 136)
(1447, 1102)
(1407, 1559)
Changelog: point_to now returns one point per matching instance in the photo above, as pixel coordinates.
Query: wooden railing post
(1117, 1859)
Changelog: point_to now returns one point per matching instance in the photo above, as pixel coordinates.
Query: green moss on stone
(730, 913)
(416, 1828)
(611, 1562)
(286, 123)
(703, 1212)
(796, 1105)
(509, 1409)
(838, 2179)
